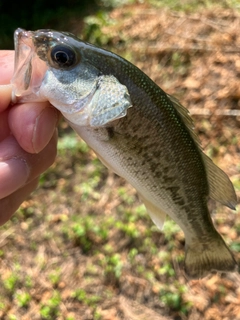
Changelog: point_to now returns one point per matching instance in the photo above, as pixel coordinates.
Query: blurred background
(39, 14)
(82, 245)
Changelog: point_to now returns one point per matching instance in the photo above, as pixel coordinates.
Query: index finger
(6, 72)
(5, 97)
(6, 66)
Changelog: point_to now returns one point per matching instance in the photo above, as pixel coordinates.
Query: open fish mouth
(29, 70)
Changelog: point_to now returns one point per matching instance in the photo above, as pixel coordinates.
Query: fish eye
(63, 56)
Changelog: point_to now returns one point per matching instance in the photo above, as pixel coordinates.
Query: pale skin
(28, 139)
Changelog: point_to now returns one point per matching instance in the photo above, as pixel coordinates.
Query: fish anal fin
(157, 215)
(202, 259)
(220, 186)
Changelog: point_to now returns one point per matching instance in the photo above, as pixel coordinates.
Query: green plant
(132, 254)
(129, 229)
(23, 298)
(2, 305)
(71, 142)
(10, 282)
(82, 296)
(172, 297)
(235, 246)
(50, 309)
(12, 317)
(93, 28)
(112, 265)
(97, 315)
(170, 229)
(167, 269)
(54, 276)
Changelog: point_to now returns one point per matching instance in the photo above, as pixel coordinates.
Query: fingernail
(13, 174)
(44, 128)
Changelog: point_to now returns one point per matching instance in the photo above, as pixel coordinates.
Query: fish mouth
(29, 70)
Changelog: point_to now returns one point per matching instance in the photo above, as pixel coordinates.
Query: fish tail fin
(208, 256)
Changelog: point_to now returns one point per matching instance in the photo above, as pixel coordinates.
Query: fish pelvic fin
(212, 255)
(157, 215)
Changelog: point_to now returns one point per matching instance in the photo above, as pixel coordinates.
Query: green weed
(2, 304)
(28, 282)
(172, 297)
(167, 270)
(12, 317)
(23, 299)
(112, 266)
(132, 254)
(97, 315)
(86, 231)
(73, 143)
(123, 194)
(93, 25)
(170, 229)
(128, 228)
(82, 296)
(10, 282)
(50, 309)
(55, 276)
(235, 246)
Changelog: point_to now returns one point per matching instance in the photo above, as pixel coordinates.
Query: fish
(136, 129)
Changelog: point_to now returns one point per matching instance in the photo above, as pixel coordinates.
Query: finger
(33, 125)
(17, 167)
(6, 66)
(10, 204)
(4, 127)
(5, 96)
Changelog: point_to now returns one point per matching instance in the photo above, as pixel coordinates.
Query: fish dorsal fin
(157, 215)
(220, 186)
(187, 119)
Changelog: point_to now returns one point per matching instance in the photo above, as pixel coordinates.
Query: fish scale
(137, 131)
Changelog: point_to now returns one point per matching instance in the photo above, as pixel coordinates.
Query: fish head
(52, 66)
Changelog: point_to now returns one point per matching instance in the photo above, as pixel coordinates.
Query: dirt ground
(82, 246)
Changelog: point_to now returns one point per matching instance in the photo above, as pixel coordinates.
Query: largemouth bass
(137, 130)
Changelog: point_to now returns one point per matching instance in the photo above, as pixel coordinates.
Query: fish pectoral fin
(202, 259)
(220, 186)
(157, 215)
(110, 101)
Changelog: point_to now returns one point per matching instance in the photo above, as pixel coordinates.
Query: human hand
(28, 139)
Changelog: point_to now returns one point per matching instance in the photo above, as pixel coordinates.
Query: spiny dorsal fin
(220, 186)
(187, 119)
